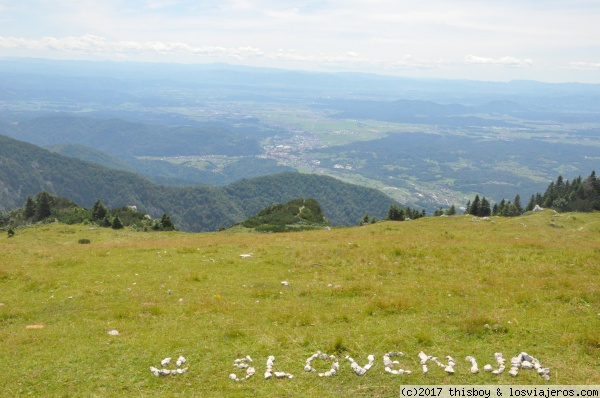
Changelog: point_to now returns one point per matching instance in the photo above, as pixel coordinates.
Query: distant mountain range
(427, 143)
(26, 169)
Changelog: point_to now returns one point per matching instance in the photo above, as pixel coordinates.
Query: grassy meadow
(445, 286)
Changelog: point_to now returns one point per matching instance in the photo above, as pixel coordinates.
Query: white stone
(113, 332)
(527, 357)
(164, 372)
(526, 365)
(487, 368)
(165, 362)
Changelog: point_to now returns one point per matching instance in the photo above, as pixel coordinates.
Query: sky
(493, 40)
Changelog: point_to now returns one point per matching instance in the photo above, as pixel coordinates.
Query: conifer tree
(484, 208)
(30, 209)
(531, 204)
(396, 214)
(116, 223)
(167, 225)
(106, 222)
(517, 204)
(475, 206)
(99, 211)
(44, 205)
(365, 219)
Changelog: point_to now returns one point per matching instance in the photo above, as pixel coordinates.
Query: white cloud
(154, 4)
(585, 65)
(99, 45)
(504, 61)
(366, 35)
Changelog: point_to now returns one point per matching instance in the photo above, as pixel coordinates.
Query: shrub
(84, 241)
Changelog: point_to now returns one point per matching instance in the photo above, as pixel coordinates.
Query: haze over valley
(424, 143)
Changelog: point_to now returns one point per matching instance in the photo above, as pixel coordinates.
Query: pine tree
(365, 219)
(517, 204)
(451, 211)
(167, 225)
(106, 221)
(30, 209)
(396, 214)
(475, 206)
(484, 208)
(99, 211)
(44, 205)
(116, 223)
(531, 204)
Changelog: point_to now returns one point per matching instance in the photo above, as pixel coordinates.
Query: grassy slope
(430, 284)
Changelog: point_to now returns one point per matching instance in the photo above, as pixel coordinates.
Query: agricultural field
(445, 286)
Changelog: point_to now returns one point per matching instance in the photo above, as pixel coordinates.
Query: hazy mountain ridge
(89, 154)
(26, 169)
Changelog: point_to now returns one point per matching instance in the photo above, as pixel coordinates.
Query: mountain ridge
(26, 169)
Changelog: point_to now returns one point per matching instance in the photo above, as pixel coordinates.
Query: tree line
(582, 195)
(46, 208)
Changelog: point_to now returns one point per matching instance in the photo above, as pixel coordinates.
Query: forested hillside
(122, 138)
(142, 148)
(26, 170)
(296, 215)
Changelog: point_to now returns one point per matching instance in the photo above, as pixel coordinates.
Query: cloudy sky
(499, 40)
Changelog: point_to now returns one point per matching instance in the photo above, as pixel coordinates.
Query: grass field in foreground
(445, 286)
